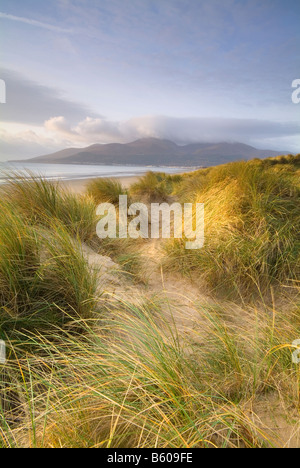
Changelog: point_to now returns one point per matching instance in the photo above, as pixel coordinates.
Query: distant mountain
(152, 151)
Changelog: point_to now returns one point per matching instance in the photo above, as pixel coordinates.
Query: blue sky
(80, 72)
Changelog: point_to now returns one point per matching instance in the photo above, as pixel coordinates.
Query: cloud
(32, 103)
(88, 130)
(179, 130)
(58, 124)
(58, 133)
(26, 144)
(33, 22)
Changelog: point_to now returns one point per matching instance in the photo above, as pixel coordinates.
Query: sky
(80, 72)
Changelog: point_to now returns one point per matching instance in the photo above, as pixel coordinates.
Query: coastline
(75, 178)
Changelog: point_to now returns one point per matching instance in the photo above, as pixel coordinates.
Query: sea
(79, 171)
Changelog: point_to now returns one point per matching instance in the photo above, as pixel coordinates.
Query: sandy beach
(79, 185)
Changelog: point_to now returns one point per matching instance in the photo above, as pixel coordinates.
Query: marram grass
(252, 225)
(42, 202)
(128, 381)
(87, 369)
(44, 277)
(104, 190)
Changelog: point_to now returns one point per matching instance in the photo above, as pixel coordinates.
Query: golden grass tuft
(105, 190)
(252, 222)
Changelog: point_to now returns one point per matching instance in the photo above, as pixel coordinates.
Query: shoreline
(77, 183)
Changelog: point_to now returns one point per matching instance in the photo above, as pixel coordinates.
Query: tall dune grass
(91, 370)
(105, 190)
(155, 186)
(252, 222)
(132, 381)
(44, 277)
(41, 201)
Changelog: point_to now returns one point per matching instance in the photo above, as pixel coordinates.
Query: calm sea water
(72, 171)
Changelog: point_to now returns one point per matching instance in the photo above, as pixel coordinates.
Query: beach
(79, 185)
(76, 176)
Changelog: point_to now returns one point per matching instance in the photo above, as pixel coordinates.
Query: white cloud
(87, 131)
(59, 125)
(26, 143)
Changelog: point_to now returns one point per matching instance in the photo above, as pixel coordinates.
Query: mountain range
(156, 152)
